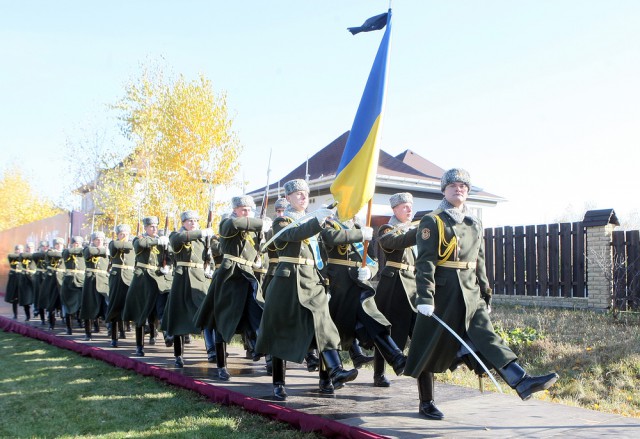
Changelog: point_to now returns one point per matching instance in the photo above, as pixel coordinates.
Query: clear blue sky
(539, 100)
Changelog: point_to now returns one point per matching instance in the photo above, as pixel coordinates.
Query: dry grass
(596, 356)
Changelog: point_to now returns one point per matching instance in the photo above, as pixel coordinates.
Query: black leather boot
(177, 351)
(96, 326)
(67, 321)
(279, 373)
(87, 330)
(334, 365)
(114, 335)
(379, 380)
(250, 340)
(268, 364)
(27, 313)
(312, 360)
(391, 352)
(325, 385)
(139, 341)
(221, 360)
(358, 358)
(121, 329)
(427, 406)
(516, 377)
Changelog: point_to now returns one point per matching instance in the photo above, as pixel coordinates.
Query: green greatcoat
(95, 288)
(189, 286)
(13, 282)
(460, 297)
(39, 258)
(122, 264)
(27, 291)
(233, 284)
(53, 280)
(147, 280)
(297, 307)
(396, 289)
(348, 294)
(71, 290)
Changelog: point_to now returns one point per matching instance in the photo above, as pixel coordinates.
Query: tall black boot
(425, 392)
(14, 308)
(391, 352)
(516, 377)
(114, 335)
(177, 350)
(152, 332)
(268, 364)
(358, 358)
(96, 325)
(334, 365)
(52, 320)
(326, 386)
(67, 321)
(250, 340)
(27, 313)
(87, 330)
(139, 341)
(41, 314)
(312, 360)
(278, 379)
(221, 360)
(379, 380)
(121, 332)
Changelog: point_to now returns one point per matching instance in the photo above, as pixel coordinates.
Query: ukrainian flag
(355, 179)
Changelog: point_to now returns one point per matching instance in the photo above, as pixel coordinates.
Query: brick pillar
(600, 266)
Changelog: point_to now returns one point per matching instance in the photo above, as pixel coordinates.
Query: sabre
(448, 328)
(300, 220)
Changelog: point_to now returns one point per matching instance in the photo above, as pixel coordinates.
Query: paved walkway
(390, 412)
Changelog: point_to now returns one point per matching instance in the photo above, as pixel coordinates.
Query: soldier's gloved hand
(206, 233)
(367, 233)
(266, 224)
(364, 273)
(488, 309)
(163, 241)
(106, 251)
(208, 272)
(322, 214)
(165, 270)
(426, 310)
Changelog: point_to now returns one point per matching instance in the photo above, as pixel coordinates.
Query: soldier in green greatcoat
(15, 277)
(296, 312)
(27, 294)
(452, 282)
(53, 281)
(40, 259)
(123, 260)
(190, 285)
(95, 289)
(71, 290)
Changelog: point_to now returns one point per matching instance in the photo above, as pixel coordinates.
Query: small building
(406, 172)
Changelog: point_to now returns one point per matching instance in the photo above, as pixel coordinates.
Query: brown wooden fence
(626, 269)
(537, 260)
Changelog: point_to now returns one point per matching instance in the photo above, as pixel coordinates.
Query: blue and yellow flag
(355, 181)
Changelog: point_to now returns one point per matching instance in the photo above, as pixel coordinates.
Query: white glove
(163, 241)
(266, 224)
(165, 270)
(208, 272)
(322, 214)
(106, 251)
(426, 310)
(488, 309)
(364, 273)
(367, 233)
(207, 233)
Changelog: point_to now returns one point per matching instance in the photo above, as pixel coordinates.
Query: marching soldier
(451, 280)
(122, 265)
(397, 286)
(12, 295)
(148, 280)
(189, 286)
(71, 290)
(296, 312)
(53, 280)
(95, 289)
(231, 305)
(39, 258)
(27, 293)
(352, 303)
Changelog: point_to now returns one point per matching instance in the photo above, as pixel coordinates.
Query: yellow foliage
(19, 204)
(183, 146)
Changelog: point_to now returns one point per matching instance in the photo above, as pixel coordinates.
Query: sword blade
(448, 328)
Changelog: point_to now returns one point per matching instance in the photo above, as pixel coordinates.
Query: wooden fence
(537, 260)
(626, 269)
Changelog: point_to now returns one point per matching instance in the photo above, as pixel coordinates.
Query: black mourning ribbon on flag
(373, 23)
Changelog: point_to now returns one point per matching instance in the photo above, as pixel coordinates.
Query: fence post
(599, 225)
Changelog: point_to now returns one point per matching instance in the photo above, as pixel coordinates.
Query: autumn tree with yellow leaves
(18, 203)
(181, 147)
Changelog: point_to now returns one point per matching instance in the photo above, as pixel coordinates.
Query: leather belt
(299, 261)
(73, 271)
(237, 259)
(401, 266)
(16, 270)
(259, 270)
(95, 270)
(457, 264)
(124, 267)
(189, 264)
(150, 267)
(344, 262)
(41, 269)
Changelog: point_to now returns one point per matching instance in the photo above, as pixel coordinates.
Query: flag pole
(366, 243)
